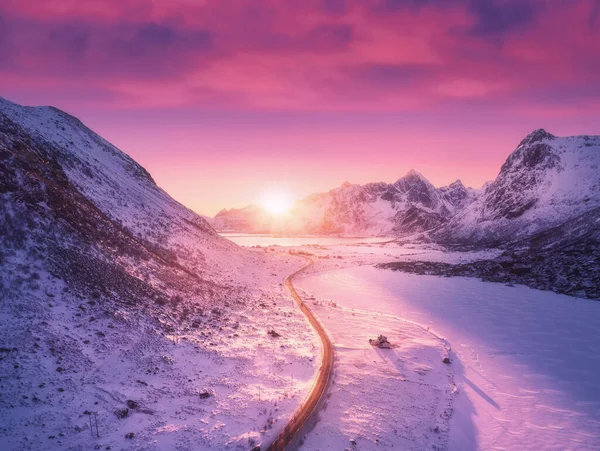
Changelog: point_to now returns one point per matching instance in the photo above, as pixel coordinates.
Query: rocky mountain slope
(542, 211)
(411, 204)
(544, 183)
(563, 259)
(122, 308)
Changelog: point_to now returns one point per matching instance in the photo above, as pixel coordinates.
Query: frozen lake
(525, 361)
(245, 239)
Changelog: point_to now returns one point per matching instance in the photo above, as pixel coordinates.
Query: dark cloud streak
(501, 16)
(73, 48)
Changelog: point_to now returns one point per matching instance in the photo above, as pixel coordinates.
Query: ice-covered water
(274, 240)
(526, 361)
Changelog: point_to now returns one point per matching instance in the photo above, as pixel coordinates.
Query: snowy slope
(411, 204)
(545, 182)
(116, 184)
(397, 398)
(524, 362)
(120, 304)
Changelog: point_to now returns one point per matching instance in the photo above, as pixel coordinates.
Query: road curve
(310, 407)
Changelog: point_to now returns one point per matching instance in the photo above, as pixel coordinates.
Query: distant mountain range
(411, 204)
(545, 182)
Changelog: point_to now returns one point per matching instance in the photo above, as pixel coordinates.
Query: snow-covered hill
(119, 304)
(119, 187)
(411, 204)
(545, 182)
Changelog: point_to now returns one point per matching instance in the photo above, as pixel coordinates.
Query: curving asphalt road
(310, 407)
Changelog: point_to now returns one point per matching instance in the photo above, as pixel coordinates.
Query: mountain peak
(411, 177)
(346, 184)
(413, 174)
(537, 135)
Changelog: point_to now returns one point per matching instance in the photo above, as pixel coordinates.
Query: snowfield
(398, 398)
(265, 240)
(127, 322)
(225, 384)
(525, 362)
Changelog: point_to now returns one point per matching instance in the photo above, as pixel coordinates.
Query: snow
(248, 373)
(562, 185)
(524, 361)
(110, 349)
(382, 398)
(417, 252)
(266, 240)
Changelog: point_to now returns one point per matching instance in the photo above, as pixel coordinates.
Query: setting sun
(276, 201)
(402, 196)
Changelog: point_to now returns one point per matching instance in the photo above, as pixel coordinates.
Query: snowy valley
(542, 211)
(128, 322)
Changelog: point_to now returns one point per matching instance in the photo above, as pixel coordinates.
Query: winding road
(308, 411)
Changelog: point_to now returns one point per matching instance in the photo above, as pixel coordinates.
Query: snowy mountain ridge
(546, 181)
(113, 181)
(411, 204)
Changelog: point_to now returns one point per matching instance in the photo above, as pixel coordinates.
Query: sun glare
(276, 202)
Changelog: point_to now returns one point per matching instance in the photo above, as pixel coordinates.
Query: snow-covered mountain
(117, 301)
(251, 219)
(411, 204)
(545, 182)
(116, 185)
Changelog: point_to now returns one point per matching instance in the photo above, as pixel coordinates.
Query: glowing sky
(222, 99)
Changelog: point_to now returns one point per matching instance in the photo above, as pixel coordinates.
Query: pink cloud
(313, 55)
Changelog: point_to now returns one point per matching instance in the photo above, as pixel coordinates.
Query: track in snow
(309, 409)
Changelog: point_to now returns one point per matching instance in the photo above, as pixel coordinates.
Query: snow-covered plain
(525, 363)
(382, 398)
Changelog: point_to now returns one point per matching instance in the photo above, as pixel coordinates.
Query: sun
(276, 201)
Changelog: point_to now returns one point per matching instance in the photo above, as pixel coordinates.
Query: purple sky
(221, 100)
